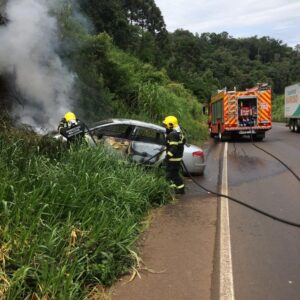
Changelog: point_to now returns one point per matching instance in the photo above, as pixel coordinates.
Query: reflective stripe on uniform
(180, 186)
(175, 159)
(176, 143)
(170, 153)
(173, 185)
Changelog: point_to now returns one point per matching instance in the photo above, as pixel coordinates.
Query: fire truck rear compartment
(247, 111)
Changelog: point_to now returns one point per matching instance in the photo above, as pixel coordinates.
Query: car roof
(127, 122)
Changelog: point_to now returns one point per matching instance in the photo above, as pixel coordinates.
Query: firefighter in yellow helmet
(71, 128)
(174, 152)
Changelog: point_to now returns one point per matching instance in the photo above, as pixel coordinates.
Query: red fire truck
(236, 113)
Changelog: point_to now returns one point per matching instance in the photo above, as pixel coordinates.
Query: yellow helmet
(170, 122)
(70, 116)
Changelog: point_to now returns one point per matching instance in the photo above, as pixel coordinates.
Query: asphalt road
(265, 253)
(177, 249)
(184, 239)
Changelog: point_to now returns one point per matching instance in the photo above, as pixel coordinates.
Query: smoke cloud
(28, 44)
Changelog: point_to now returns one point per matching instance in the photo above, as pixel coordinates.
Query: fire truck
(237, 113)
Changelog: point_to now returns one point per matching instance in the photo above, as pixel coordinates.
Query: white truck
(292, 106)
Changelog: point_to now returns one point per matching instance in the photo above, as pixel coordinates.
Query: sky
(279, 19)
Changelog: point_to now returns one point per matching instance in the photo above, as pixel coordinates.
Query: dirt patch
(177, 251)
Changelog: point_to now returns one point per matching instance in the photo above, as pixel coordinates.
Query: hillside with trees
(123, 57)
(202, 62)
(70, 218)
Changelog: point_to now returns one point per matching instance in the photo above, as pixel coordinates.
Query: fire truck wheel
(259, 137)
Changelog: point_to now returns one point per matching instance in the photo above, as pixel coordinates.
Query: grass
(69, 219)
(278, 109)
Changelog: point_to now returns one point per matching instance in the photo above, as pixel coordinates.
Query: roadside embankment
(69, 219)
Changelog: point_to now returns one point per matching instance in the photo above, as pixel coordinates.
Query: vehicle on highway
(292, 106)
(237, 113)
(141, 141)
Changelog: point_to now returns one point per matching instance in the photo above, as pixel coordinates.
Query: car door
(146, 142)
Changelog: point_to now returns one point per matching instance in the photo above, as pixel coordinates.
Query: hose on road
(281, 220)
(269, 153)
(241, 202)
(229, 197)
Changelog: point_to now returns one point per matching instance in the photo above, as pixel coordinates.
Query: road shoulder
(178, 251)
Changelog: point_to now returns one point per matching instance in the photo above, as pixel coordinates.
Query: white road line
(226, 275)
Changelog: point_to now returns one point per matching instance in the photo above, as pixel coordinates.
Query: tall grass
(278, 109)
(69, 220)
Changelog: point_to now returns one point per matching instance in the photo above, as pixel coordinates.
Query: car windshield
(149, 135)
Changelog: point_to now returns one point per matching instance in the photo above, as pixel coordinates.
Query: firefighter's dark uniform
(74, 132)
(174, 154)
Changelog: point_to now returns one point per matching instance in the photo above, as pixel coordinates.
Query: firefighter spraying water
(174, 152)
(74, 130)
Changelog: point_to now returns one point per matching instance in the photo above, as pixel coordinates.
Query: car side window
(116, 130)
(149, 135)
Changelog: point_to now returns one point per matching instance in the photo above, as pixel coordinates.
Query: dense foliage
(278, 109)
(137, 40)
(202, 62)
(135, 25)
(213, 60)
(69, 218)
(112, 82)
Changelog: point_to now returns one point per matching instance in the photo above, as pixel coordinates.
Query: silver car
(142, 142)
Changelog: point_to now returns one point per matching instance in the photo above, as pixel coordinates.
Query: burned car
(143, 142)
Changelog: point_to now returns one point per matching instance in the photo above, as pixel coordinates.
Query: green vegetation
(278, 109)
(114, 83)
(152, 73)
(69, 218)
(204, 62)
